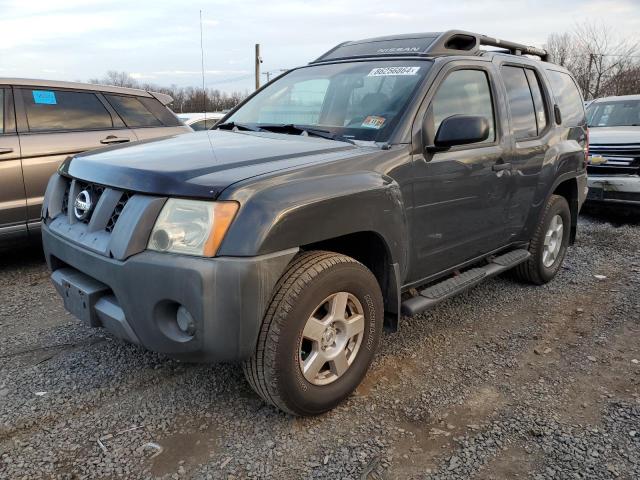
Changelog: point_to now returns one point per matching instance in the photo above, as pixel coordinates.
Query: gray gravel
(505, 381)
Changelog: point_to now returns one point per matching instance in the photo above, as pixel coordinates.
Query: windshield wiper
(239, 126)
(294, 129)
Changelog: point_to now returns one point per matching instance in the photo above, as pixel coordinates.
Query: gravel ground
(505, 381)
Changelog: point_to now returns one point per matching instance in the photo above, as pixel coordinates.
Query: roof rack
(452, 42)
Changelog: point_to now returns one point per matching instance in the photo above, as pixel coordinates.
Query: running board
(435, 294)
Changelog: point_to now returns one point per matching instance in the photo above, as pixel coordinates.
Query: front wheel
(549, 244)
(319, 334)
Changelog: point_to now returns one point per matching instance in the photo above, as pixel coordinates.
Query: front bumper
(137, 299)
(618, 189)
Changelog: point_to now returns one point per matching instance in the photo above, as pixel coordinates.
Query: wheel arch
(370, 249)
(568, 188)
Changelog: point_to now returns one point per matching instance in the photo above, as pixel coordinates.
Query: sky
(159, 41)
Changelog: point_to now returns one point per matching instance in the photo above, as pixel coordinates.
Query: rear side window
(523, 116)
(538, 99)
(568, 98)
(133, 111)
(161, 112)
(60, 110)
(464, 92)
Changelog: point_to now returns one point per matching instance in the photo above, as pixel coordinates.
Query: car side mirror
(460, 130)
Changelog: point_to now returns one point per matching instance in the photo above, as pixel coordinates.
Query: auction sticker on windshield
(387, 71)
(373, 122)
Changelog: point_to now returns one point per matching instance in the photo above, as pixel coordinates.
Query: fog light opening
(185, 321)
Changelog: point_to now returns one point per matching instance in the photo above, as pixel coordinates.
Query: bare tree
(561, 48)
(185, 99)
(599, 58)
(118, 79)
(609, 55)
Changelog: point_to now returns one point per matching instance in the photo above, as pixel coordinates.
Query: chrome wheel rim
(552, 241)
(331, 338)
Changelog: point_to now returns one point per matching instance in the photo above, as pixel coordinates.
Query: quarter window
(464, 92)
(133, 112)
(60, 110)
(568, 98)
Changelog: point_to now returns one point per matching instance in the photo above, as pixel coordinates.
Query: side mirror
(461, 130)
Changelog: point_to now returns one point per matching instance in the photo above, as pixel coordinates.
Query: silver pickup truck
(614, 150)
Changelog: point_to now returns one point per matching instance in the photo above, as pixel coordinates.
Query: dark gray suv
(43, 122)
(381, 179)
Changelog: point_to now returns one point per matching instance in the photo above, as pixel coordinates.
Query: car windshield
(614, 114)
(350, 101)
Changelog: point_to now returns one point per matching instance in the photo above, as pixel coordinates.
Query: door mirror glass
(462, 130)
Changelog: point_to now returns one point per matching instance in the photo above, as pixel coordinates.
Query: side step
(435, 294)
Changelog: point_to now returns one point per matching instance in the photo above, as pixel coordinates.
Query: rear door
(12, 199)
(146, 116)
(528, 105)
(54, 124)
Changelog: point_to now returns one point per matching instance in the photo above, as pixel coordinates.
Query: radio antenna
(204, 92)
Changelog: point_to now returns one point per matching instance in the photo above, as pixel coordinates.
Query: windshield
(355, 101)
(614, 114)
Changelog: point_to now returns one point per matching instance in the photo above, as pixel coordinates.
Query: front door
(13, 209)
(460, 194)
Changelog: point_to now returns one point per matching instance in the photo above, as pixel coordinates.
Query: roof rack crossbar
(513, 47)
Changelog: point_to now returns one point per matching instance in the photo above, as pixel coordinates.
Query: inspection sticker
(373, 122)
(388, 71)
(45, 97)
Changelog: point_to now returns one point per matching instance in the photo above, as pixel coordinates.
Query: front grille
(618, 159)
(65, 198)
(117, 211)
(95, 191)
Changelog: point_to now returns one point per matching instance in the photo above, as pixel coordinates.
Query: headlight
(191, 227)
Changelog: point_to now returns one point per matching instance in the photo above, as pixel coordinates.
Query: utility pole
(258, 62)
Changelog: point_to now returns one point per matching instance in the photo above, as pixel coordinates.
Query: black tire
(274, 371)
(534, 270)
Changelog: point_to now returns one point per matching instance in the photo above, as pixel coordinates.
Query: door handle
(498, 167)
(4, 151)
(113, 139)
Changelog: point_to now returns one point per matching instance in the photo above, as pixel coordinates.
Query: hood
(200, 164)
(614, 135)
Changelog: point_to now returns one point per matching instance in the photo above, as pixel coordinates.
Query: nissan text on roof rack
(44, 121)
(382, 178)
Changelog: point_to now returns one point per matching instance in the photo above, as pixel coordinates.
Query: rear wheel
(549, 243)
(319, 334)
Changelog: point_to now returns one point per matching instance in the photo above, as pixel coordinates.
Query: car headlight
(191, 227)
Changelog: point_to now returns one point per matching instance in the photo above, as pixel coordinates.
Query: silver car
(43, 122)
(201, 121)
